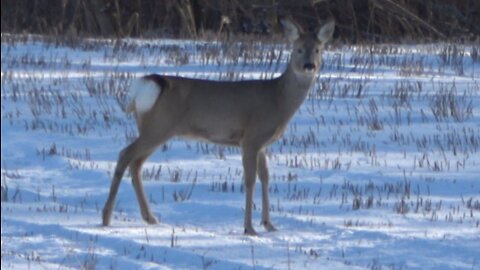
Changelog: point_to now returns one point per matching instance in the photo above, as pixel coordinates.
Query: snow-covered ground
(379, 169)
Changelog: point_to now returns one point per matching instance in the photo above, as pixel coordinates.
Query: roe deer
(248, 114)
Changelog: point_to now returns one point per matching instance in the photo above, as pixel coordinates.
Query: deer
(249, 114)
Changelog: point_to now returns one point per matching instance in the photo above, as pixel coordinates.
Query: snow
(378, 169)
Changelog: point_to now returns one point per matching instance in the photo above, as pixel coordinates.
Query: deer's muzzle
(309, 67)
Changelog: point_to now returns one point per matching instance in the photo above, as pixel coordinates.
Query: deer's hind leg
(133, 155)
(135, 171)
(125, 158)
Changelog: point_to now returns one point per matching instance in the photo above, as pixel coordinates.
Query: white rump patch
(145, 92)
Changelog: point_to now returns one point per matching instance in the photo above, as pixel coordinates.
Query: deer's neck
(295, 88)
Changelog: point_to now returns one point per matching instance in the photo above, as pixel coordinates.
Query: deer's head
(306, 57)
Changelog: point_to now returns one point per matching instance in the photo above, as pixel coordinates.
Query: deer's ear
(325, 32)
(291, 29)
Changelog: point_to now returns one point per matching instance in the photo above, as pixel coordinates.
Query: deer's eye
(317, 50)
(300, 51)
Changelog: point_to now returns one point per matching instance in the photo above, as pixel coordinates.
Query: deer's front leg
(249, 159)
(263, 175)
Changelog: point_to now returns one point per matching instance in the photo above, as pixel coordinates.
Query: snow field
(379, 169)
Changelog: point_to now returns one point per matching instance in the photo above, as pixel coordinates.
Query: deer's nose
(309, 67)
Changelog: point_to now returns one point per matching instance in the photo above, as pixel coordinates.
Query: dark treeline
(357, 20)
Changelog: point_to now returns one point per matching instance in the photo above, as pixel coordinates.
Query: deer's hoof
(269, 226)
(250, 231)
(151, 220)
(106, 217)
